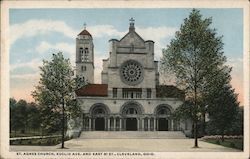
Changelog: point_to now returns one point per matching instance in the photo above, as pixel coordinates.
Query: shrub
(232, 145)
(218, 142)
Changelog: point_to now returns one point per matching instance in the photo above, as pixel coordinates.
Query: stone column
(142, 125)
(138, 124)
(157, 121)
(93, 123)
(120, 124)
(108, 124)
(124, 123)
(148, 124)
(172, 124)
(114, 124)
(154, 124)
(89, 124)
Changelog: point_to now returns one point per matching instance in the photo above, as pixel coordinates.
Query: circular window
(131, 72)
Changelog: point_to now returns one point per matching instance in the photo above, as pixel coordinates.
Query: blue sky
(37, 33)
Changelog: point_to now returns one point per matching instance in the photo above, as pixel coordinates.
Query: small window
(83, 68)
(114, 92)
(131, 95)
(149, 93)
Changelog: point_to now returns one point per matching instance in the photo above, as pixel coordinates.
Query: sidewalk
(129, 145)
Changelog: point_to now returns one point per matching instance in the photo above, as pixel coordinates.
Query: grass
(232, 143)
(30, 133)
(26, 134)
(39, 142)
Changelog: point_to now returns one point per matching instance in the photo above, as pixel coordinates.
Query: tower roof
(85, 32)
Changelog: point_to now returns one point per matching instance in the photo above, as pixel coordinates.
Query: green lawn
(39, 142)
(30, 133)
(232, 143)
(26, 134)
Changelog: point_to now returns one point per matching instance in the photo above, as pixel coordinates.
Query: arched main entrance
(163, 113)
(99, 114)
(99, 124)
(131, 112)
(162, 124)
(131, 124)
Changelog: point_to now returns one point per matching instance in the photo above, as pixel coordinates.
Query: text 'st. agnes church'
(130, 97)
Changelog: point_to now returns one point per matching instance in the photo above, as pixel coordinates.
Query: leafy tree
(238, 124)
(18, 113)
(33, 116)
(55, 93)
(223, 110)
(194, 56)
(12, 102)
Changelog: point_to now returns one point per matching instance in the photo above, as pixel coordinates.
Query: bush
(218, 142)
(232, 145)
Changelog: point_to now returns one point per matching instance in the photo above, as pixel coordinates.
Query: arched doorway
(162, 124)
(163, 113)
(131, 112)
(99, 114)
(131, 124)
(99, 124)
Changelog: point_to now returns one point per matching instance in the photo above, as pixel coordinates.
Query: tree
(33, 116)
(194, 56)
(18, 115)
(238, 124)
(223, 110)
(55, 93)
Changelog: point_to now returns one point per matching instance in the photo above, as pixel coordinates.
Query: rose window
(132, 72)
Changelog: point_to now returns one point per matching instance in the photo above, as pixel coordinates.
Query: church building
(130, 96)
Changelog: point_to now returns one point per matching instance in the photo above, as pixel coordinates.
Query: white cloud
(63, 47)
(34, 64)
(157, 33)
(99, 31)
(29, 77)
(36, 27)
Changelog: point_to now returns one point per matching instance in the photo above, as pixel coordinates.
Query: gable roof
(97, 90)
(85, 32)
(132, 32)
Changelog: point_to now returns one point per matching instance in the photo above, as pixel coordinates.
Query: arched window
(163, 111)
(81, 54)
(131, 111)
(86, 54)
(99, 111)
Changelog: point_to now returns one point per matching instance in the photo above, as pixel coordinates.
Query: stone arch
(131, 104)
(99, 109)
(163, 109)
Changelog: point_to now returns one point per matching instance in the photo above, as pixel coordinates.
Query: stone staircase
(132, 135)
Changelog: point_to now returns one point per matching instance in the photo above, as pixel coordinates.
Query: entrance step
(132, 135)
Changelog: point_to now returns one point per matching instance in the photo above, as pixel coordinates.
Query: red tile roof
(93, 90)
(85, 32)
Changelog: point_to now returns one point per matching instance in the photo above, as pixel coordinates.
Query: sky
(35, 34)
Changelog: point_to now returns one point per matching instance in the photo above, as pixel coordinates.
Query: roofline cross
(132, 20)
(84, 25)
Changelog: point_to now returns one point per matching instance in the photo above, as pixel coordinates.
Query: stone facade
(128, 98)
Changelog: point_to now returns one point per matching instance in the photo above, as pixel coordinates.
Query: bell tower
(85, 56)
